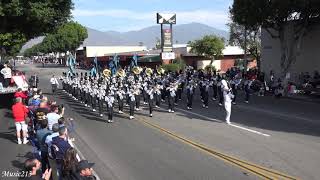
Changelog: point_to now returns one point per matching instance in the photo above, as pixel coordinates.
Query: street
(279, 134)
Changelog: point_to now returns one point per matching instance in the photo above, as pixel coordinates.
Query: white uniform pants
(227, 106)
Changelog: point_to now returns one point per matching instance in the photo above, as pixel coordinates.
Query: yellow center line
(262, 172)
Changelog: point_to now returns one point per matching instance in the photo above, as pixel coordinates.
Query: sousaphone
(136, 70)
(106, 73)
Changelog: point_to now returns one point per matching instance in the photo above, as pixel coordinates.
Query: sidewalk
(12, 154)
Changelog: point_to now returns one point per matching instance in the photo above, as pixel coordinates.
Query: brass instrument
(137, 70)
(160, 70)
(149, 72)
(121, 73)
(106, 73)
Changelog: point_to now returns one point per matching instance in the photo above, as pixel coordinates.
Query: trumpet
(137, 70)
(106, 73)
(149, 72)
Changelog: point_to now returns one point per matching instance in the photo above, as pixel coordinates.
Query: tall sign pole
(167, 53)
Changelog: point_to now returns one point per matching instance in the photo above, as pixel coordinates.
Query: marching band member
(190, 91)
(158, 89)
(150, 92)
(120, 96)
(220, 91)
(101, 96)
(235, 82)
(214, 86)
(206, 86)
(227, 94)
(171, 95)
(132, 100)
(110, 100)
(137, 92)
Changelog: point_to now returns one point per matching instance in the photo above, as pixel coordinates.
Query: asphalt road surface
(277, 134)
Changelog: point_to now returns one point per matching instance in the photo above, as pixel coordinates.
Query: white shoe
(188, 108)
(175, 104)
(131, 117)
(234, 103)
(247, 102)
(25, 141)
(101, 115)
(207, 107)
(228, 122)
(169, 110)
(137, 109)
(150, 115)
(214, 99)
(86, 105)
(172, 111)
(203, 106)
(109, 121)
(120, 112)
(19, 141)
(162, 100)
(145, 103)
(94, 110)
(220, 104)
(157, 106)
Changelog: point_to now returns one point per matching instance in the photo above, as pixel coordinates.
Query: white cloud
(217, 19)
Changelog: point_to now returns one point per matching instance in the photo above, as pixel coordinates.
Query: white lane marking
(278, 114)
(250, 130)
(236, 126)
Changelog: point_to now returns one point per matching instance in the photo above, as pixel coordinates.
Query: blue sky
(128, 15)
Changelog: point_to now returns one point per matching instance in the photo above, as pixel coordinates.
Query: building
(307, 61)
(86, 55)
(232, 55)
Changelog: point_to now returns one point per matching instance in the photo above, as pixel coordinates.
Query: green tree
(250, 40)
(286, 20)
(24, 20)
(70, 36)
(209, 46)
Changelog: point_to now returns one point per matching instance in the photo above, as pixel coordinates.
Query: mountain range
(147, 36)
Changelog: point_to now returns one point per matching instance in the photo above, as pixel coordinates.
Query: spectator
(59, 146)
(85, 170)
(33, 166)
(41, 112)
(48, 141)
(7, 74)
(41, 136)
(53, 116)
(61, 122)
(20, 111)
(20, 94)
(69, 167)
(35, 100)
(55, 133)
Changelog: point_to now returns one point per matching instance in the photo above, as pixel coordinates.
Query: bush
(175, 66)
(210, 68)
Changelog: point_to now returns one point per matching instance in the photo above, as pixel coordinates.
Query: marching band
(128, 88)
